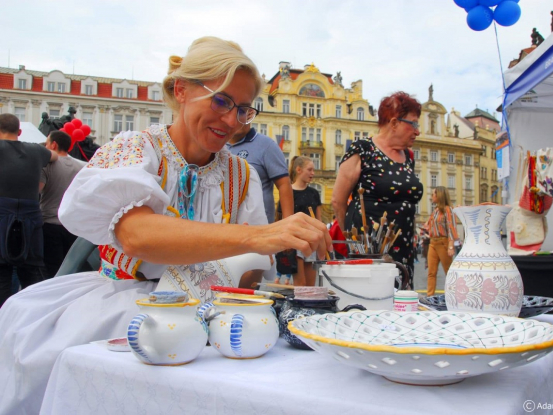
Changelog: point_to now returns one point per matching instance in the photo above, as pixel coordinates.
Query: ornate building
(107, 105)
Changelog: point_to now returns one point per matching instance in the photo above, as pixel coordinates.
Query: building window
(259, 104)
(451, 181)
(311, 110)
(356, 135)
(286, 132)
(263, 129)
(484, 173)
(255, 125)
(22, 83)
(360, 114)
(495, 191)
(338, 111)
(494, 154)
(468, 182)
(54, 113)
(61, 87)
(51, 86)
(433, 180)
(468, 160)
(88, 89)
(119, 93)
(303, 134)
(451, 158)
(494, 175)
(337, 164)
(287, 158)
(129, 122)
(319, 110)
(154, 120)
(130, 93)
(365, 135)
(286, 106)
(304, 109)
(485, 151)
(483, 194)
(87, 118)
(118, 122)
(155, 95)
(20, 113)
(316, 160)
(416, 154)
(311, 134)
(319, 135)
(338, 139)
(433, 155)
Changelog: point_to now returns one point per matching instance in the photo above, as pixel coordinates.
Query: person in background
(54, 181)
(302, 171)
(21, 243)
(384, 167)
(158, 201)
(267, 159)
(443, 234)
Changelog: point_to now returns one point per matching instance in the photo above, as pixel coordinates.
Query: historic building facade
(107, 105)
(308, 112)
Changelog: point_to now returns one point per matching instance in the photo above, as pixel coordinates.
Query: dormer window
(22, 84)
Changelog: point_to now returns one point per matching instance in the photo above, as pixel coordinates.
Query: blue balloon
(466, 4)
(507, 13)
(489, 3)
(480, 18)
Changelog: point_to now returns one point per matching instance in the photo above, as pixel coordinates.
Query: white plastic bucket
(375, 282)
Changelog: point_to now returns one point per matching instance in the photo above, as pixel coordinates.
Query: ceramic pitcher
(240, 328)
(483, 277)
(167, 334)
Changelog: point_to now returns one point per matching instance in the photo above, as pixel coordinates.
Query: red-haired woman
(384, 167)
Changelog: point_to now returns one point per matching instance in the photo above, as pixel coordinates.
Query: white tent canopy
(31, 134)
(528, 110)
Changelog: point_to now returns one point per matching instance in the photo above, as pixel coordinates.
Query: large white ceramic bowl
(425, 347)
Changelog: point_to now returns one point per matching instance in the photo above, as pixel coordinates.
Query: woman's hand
(451, 251)
(299, 231)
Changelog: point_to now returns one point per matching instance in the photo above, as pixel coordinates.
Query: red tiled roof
(104, 90)
(143, 93)
(6, 81)
(76, 87)
(37, 84)
(294, 73)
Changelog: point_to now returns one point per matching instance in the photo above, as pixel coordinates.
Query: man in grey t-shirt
(54, 181)
(263, 154)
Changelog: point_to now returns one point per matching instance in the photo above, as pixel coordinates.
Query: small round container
(406, 301)
(118, 345)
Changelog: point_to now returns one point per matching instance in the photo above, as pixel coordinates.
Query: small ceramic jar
(167, 334)
(241, 328)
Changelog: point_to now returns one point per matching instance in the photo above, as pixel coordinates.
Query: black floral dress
(389, 187)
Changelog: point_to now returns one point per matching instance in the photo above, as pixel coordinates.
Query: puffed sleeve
(121, 175)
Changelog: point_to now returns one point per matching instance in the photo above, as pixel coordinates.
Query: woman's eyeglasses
(413, 124)
(188, 183)
(222, 104)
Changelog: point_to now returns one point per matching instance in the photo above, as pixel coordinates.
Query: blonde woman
(302, 171)
(443, 234)
(156, 197)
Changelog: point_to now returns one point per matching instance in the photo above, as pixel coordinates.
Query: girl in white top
(129, 197)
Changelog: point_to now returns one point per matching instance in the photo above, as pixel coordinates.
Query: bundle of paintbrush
(355, 243)
(382, 237)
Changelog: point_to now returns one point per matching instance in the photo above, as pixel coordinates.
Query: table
(90, 379)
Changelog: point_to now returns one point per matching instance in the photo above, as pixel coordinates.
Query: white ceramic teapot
(241, 328)
(167, 333)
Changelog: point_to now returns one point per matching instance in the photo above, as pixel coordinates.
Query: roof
(40, 74)
(481, 113)
(294, 73)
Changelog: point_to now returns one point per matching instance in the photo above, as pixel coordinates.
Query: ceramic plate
(531, 305)
(425, 348)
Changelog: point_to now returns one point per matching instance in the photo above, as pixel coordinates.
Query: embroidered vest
(234, 188)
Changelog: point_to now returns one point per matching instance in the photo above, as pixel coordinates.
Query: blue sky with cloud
(390, 45)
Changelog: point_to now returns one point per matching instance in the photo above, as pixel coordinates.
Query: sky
(390, 45)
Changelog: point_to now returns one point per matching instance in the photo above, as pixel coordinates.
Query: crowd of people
(209, 168)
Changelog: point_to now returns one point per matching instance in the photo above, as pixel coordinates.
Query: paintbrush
(380, 230)
(314, 217)
(363, 218)
(373, 237)
(387, 237)
(245, 291)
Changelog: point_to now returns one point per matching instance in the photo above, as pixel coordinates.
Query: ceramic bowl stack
(426, 348)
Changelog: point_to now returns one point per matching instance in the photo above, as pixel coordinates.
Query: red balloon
(78, 135)
(72, 144)
(76, 122)
(62, 130)
(69, 128)
(86, 130)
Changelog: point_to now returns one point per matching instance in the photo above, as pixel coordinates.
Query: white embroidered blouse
(124, 174)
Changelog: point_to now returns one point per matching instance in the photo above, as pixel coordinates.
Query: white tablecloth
(89, 379)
